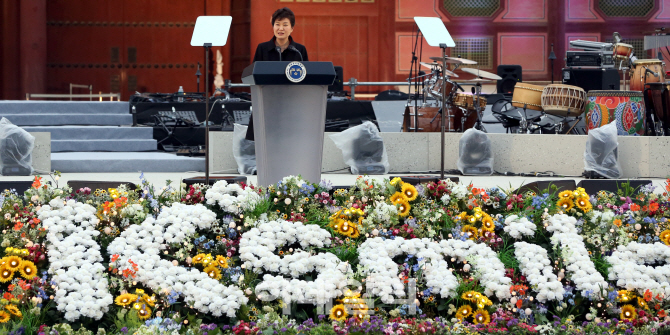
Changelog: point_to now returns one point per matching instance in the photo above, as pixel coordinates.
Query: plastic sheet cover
(16, 147)
(601, 154)
(244, 151)
(363, 149)
(474, 153)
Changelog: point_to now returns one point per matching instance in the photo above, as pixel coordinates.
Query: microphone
(472, 89)
(460, 87)
(279, 51)
(296, 50)
(646, 70)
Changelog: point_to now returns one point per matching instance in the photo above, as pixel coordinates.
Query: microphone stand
(413, 65)
(197, 75)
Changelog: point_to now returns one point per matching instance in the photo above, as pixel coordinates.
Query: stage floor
(158, 179)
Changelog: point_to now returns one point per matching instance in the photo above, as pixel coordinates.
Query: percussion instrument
(626, 108)
(482, 74)
(563, 100)
(436, 83)
(657, 101)
(646, 71)
(622, 51)
(454, 60)
(529, 95)
(433, 65)
(429, 119)
(466, 100)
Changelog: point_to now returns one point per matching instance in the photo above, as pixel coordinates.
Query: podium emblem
(295, 72)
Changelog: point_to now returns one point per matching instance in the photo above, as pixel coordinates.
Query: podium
(289, 113)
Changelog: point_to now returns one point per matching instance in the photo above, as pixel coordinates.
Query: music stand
(209, 31)
(436, 35)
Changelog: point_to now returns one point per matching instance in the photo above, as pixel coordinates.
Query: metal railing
(90, 90)
(351, 83)
(100, 96)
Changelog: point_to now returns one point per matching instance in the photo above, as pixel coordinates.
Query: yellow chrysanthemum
(6, 274)
(565, 204)
(345, 228)
(470, 231)
(28, 270)
(403, 208)
(469, 295)
(409, 191)
(488, 224)
(462, 216)
(665, 237)
(396, 181)
(338, 313)
(625, 296)
(144, 313)
(628, 312)
(149, 300)
(398, 197)
(565, 195)
(4, 317)
(481, 317)
(463, 312)
(207, 260)
(584, 204)
(13, 263)
(125, 299)
(198, 258)
(471, 219)
(213, 272)
(222, 261)
(13, 310)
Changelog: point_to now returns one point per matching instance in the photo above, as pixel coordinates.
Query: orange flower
(648, 295)
(662, 314)
(38, 182)
(36, 220)
(634, 207)
(519, 303)
(11, 287)
(475, 191)
(617, 222)
(653, 206)
(115, 257)
(8, 296)
(18, 225)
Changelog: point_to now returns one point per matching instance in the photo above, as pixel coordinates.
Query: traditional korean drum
(466, 100)
(563, 100)
(528, 95)
(622, 51)
(640, 76)
(624, 107)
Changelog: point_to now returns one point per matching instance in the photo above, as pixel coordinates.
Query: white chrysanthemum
(231, 198)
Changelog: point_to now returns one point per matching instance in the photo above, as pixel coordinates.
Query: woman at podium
(280, 48)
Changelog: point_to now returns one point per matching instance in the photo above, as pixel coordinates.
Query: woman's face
(282, 29)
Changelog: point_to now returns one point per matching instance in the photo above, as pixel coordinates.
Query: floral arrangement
(382, 257)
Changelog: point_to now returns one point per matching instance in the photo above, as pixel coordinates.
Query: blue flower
(612, 295)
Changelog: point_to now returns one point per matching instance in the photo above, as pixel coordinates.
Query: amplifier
(589, 58)
(592, 79)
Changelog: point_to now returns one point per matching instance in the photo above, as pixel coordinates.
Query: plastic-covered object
(363, 149)
(601, 154)
(244, 151)
(16, 148)
(474, 153)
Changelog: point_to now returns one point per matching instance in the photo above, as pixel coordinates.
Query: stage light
(363, 149)
(474, 153)
(16, 147)
(601, 158)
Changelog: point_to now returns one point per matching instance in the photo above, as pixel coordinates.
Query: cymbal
(476, 80)
(482, 74)
(434, 64)
(454, 60)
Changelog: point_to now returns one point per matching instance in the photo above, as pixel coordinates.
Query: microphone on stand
(646, 70)
(279, 51)
(296, 50)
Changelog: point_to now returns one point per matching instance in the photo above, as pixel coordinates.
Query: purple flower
(124, 330)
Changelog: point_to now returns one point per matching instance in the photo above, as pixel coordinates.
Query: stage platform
(563, 155)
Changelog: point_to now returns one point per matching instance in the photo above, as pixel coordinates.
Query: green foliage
(602, 265)
(506, 256)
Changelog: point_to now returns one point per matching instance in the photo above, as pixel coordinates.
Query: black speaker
(415, 180)
(592, 79)
(338, 84)
(541, 185)
(592, 186)
(19, 186)
(511, 74)
(103, 185)
(390, 95)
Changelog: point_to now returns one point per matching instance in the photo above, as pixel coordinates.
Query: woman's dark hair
(283, 13)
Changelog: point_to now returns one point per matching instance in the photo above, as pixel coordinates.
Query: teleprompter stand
(209, 31)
